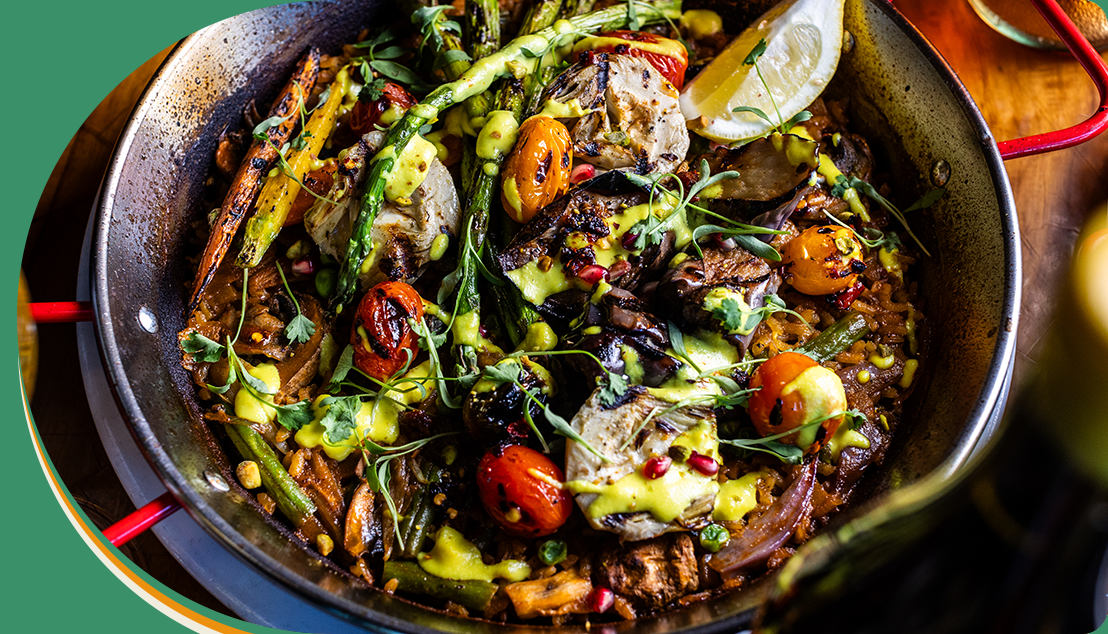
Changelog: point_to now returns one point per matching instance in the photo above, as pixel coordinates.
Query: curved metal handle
(1093, 64)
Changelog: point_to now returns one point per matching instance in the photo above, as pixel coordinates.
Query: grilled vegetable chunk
(405, 233)
(615, 495)
(634, 120)
(652, 573)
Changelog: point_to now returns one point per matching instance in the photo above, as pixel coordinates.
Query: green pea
(714, 537)
(325, 282)
(553, 551)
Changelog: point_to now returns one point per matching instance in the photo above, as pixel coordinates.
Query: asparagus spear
(838, 337)
(259, 160)
(290, 498)
(514, 59)
(474, 595)
(483, 26)
(576, 7)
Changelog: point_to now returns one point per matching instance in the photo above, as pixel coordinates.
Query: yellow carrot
(280, 190)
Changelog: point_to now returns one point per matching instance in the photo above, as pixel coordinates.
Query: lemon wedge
(803, 43)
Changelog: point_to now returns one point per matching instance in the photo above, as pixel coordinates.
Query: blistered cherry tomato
(366, 114)
(519, 489)
(793, 392)
(537, 171)
(381, 332)
(667, 56)
(823, 260)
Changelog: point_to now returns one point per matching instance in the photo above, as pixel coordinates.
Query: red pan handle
(60, 312)
(1098, 71)
(142, 519)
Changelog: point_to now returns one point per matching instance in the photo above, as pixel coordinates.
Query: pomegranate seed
(601, 599)
(629, 241)
(619, 268)
(303, 266)
(484, 332)
(657, 467)
(581, 173)
(703, 464)
(593, 273)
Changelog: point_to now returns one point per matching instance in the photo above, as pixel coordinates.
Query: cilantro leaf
(612, 389)
(293, 417)
(502, 373)
(300, 329)
(373, 90)
(799, 117)
(202, 349)
(756, 52)
(340, 420)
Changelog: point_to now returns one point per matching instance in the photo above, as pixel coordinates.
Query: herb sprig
(783, 126)
(743, 321)
(930, 198)
(649, 230)
(791, 454)
(300, 329)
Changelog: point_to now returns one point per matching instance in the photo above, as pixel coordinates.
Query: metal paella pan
(905, 100)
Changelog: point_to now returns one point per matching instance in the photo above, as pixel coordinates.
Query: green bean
(290, 498)
(416, 525)
(838, 337)
(473, 595)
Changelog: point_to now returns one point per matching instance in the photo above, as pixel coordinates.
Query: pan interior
(903, 98)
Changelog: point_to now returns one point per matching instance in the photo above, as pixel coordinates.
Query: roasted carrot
(281, 189)
(259, 160)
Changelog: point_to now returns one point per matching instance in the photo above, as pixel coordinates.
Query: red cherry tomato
(783, 403)
(517, 488)
(671, 64)
(365, 114)
(381, 331)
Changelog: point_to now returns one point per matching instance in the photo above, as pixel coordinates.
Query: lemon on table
(803, 43)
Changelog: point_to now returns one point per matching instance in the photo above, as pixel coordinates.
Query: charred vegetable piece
(537, 170)
(563, 593)
(823, 260)
(837, 338)
(281, 190)
(667, 56)
(383, 339)
(520, 489)
(366, 114)
(259, 159)
(473, 595)
(793, 393)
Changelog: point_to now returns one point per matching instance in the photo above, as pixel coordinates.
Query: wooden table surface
(1020, 91)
